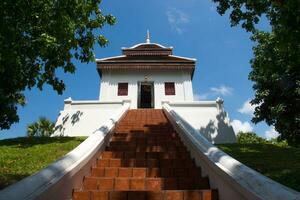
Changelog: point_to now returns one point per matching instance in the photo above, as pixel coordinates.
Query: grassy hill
(21, 157)
(278, 162)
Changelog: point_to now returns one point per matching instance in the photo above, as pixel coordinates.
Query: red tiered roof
(146, 56)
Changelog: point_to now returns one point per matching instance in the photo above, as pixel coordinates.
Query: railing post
(68, 103)
(219, 103)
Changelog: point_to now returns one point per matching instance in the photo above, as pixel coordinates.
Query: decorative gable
(147, 49)
(147, 56)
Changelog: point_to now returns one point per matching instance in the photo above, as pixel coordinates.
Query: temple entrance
(146, 95)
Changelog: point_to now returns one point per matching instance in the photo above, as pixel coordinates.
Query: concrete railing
(58, 179)
(232, 179)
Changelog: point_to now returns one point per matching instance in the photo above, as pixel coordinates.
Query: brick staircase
(145, 159)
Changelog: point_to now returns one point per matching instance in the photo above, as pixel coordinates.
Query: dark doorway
(145, 95)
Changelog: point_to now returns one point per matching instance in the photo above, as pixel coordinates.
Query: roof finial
(148, 37)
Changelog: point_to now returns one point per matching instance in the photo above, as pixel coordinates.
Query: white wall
(110, 80)
(82, 118)
(209, 118)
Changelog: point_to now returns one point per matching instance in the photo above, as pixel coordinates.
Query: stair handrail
(256, 185)
(40, 184)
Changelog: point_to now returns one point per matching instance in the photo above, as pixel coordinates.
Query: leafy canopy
(38, 38)
(250, 138)
(276, 63)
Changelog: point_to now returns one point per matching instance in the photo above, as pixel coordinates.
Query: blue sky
(194, 29)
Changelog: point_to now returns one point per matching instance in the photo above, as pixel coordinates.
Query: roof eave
(112, 57)
(185, 58)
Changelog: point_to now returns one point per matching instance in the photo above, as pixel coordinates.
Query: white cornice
(146, 44)
(192, 59)
(102, 59)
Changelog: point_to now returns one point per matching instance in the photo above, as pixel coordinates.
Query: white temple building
(146, 76)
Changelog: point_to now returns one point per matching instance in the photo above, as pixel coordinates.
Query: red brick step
(132, 162)
(144, 184)
(144, 155)
(145, 172)
(147, 195)
(145, 160)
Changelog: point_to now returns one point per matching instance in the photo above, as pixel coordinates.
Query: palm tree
(32, 129)
(43, 127)
(46, 126)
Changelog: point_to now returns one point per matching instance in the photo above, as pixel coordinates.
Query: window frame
(122, 89)
(170, 88)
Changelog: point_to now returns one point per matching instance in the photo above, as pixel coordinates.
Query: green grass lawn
(22, 157)
(280, 163)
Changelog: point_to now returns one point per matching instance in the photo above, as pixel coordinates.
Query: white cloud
(215, 92)
(222, 90)
(198, 97)
(247, 108)
(177, 18)
(271, 133)
(239, 126)
(213, 8)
